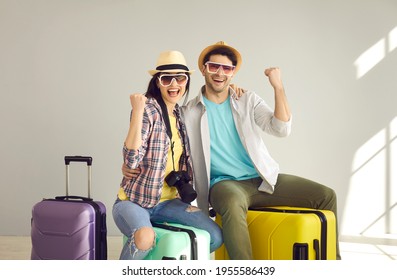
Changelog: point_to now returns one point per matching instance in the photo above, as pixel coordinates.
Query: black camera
(180, 180)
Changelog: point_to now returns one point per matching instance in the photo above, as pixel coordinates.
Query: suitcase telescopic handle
(69, 159)
(88, 160)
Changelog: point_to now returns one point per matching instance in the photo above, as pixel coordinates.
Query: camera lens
(187, 193)
(180, 180)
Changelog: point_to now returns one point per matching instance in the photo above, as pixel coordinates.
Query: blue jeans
(129, 217)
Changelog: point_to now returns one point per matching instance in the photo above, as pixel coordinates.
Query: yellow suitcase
(289, 233)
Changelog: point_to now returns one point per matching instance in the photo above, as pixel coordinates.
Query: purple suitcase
(69, 227)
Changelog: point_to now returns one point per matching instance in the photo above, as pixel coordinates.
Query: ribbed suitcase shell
(179, 242)
(68, 230)
(288, 233)
(69, 227)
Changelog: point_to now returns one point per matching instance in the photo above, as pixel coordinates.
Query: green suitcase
(179, 242)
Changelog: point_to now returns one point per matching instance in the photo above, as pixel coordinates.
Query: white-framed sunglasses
(213, 68)
(167, 79)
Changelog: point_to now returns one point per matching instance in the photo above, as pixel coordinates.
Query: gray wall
(68, 67)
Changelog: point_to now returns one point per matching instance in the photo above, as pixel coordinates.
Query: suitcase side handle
(69, 159)
(67, 197)
(192, 236)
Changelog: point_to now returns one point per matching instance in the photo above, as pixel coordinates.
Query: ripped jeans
(129, 217)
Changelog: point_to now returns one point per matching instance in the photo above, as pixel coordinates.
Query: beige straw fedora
(218, 45)
(171, 62)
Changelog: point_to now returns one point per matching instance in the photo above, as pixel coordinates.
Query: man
(233, 169)
(231, 163)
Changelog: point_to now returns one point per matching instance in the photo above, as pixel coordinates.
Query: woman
(158, 145)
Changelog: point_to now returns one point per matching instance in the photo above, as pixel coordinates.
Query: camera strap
(166, 120)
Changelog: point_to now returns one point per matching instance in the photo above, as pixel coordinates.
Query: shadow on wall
(371, 203)
(370, 213)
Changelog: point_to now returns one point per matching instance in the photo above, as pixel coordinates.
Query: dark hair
(153, 90)
(222, 51)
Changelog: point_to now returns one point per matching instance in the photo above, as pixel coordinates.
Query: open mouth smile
(218, 80)
(174, 92)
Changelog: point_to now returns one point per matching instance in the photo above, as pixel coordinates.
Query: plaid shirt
(151, 157)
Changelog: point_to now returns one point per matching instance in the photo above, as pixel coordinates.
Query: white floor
(18, 248)
(369, 248)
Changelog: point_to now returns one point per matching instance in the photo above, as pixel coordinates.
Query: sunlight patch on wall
(393, 39)
(370, 58)
(369, 150)
(371, 203)
(375, 54)
(393, 169)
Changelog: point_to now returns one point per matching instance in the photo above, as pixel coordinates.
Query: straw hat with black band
(220, 45)
(171, 62)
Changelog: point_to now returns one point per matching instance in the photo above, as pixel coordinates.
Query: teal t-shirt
(229, 159)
